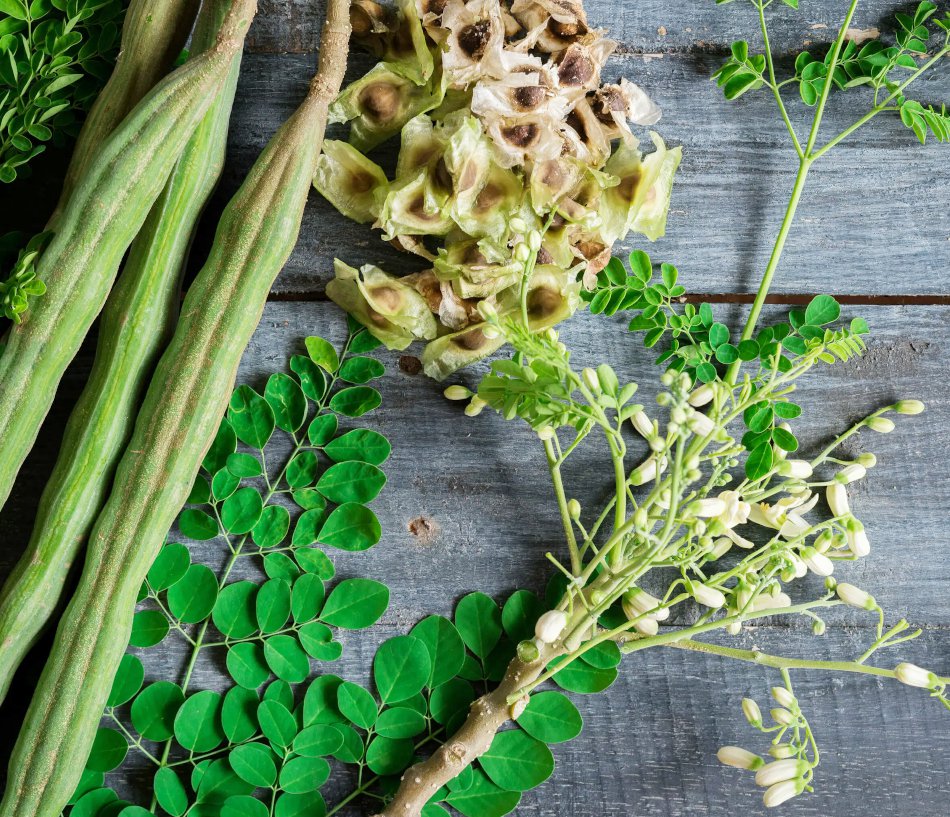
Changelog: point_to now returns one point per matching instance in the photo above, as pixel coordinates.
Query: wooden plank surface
(481, 487)
(876, 222)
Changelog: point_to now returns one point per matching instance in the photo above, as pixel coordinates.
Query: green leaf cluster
(55, 55)
(22, 283)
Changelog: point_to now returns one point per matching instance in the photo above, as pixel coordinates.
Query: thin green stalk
(772, 84)
(783, 663)
(555, 469)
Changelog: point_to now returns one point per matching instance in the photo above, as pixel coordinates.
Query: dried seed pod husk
(520, 139)
(586, 137)
(350, 181)
(381, 102)
(473, 45)
(393, 311)
(488, 212)
(552, 297)
(579, 65)
(475, 273)
(552, 25)
(368, 21)
(406, 45)
(413, 207)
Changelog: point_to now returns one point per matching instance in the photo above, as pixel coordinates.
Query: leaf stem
(772, 83)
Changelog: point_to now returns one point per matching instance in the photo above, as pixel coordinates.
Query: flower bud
(855, 596)
(796, 469)
(915, 676)
(641, 519)
(851, 473)
(647, 626)
(643, 424)
(534, 241)
(858, 542)
(642, 603)
(739, 758)
(708, 596)
(491, 332)
(781, 751)
(519, 706)
(528, 651)
(457, 393)
(545, 433)
(678, 415)
(778, 793)
(818, 627)
(908, 407)
(475, 406)
(782, 716)
(522, 253)
(817, 563)
(776, 772)
(574, 509)
(701, 396)
(550, 626)
(487, 310)
(784, 697)
(882, 425)
(751, 711)
(706, 507)
(837, 497)
(867, 459)
(733, 628)
(644, 472)
(823, 541)
(720, 548)
(700, 425)
(591, 380)
(518, 225)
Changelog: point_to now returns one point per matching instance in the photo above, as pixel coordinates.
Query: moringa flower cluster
(517, 169)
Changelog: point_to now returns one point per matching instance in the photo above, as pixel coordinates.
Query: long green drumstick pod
(153, 35)
(100, 220)
(136, 324)
(178, 420)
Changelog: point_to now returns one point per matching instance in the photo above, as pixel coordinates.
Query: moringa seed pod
(350, 181)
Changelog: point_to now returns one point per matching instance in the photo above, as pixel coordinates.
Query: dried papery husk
(380, 103)
(618, 104)
(419, 147)
(392, 310)
(428, 286)
(473, 271)
(429, 13)
(552, 25)
(586, 137)
(412, 244)
(578, 67)
(472, 47)
(349, 181)
(454, 311)
(407, 208)
(520, 139)
(468, 159)
(650, 217)
(369, 20)
(552, 297)
(528, 90)
(552, 179)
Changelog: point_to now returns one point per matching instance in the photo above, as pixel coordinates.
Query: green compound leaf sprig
(54, 57)
(268, 743)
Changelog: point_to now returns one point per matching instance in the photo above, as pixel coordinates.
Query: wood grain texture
(649, 744)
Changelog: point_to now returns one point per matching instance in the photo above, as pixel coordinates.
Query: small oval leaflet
(271, 527)
(551, 717)
(192, 598)
(515, 761)
(154, 709)
(351, 527)
(286, 658)
(357, 704)
(351, 481)
(198, 722)
(108, 750)
(355, 603)
(234, 611)
(401, 668)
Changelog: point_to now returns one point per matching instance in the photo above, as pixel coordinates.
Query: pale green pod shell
(349, 181)
(380, 103)
(552, 298)
(497, 201)
(650, 219)
(393, 311)
(413, 207)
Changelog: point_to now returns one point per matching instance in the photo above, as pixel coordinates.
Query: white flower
(642, 603)
(647, 470)
(550, 626)
(818, 563)
(736, 512)
(778, 793)
(855, 596)
(475, 406)
(851, 473)
(837, 497)
(647, 626)
(914, 676)
(778, 771)
(739, 758)
(708, 596)
(773, 600)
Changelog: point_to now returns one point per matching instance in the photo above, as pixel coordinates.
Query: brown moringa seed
(474, 38)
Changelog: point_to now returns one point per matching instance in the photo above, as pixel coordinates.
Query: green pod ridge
(153, 36)
(96, 227)
(178, 420)
(136, 324)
